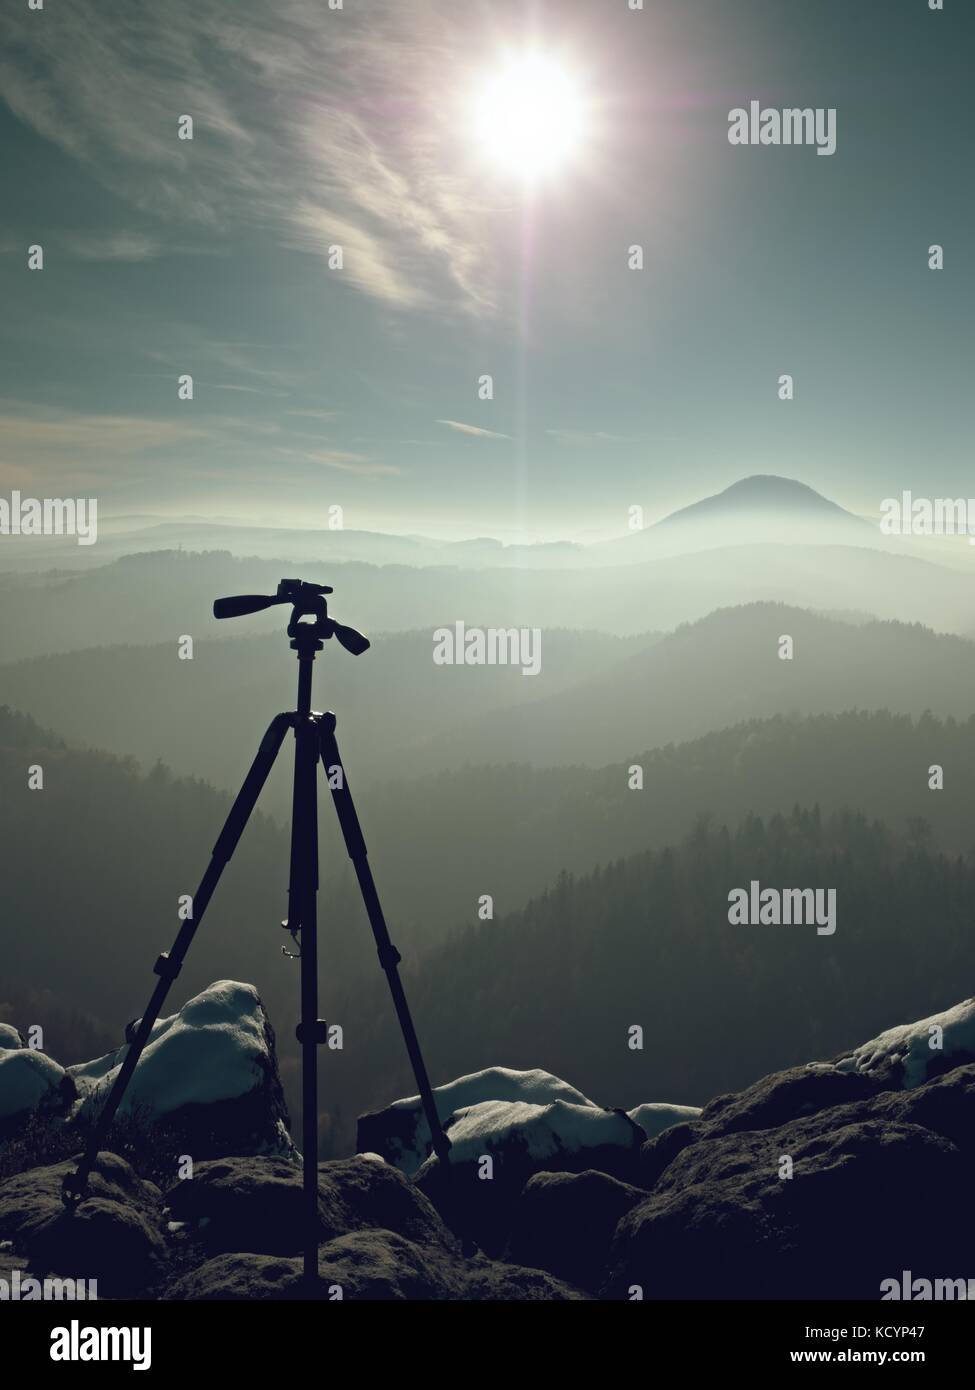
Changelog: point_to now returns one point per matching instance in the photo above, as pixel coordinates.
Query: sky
(315, 386)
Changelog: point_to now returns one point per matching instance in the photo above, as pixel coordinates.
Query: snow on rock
(10, 1037)
(654, 1118)
(30, 1080)
(210, 1069)
(541, 1132)
(400, 1133)
(520, 1139)
(914, 1052)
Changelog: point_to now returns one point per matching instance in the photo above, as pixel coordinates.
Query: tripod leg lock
(167, 968)
(389, 957)
(319, 1031)
(74, 1189)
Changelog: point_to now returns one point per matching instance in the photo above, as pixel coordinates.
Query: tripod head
(307, 601)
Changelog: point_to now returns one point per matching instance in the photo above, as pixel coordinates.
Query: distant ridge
(762, 494)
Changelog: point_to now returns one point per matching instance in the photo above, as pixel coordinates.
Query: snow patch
(27, 1078)
(407, 1141)
(541, 1130)
(657, 1116)
(213, 1049)
(9, 1037)
(915, 1046)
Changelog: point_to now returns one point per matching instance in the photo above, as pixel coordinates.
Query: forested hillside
(646, 941)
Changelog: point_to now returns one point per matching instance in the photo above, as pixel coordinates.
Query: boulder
(255, 1204)
(498, 1145)
(729, 1218)
(913, 1053)
(654, 1118)
(113, 1236)
(564, 1222)
(400, 1132)
(369, 1265)
(783, 1096)
(30, 1083)
(490, 1281)
(209, 1072)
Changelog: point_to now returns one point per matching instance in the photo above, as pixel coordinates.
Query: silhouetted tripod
(314, 740)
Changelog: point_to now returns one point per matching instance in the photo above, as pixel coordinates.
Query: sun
(529, 117)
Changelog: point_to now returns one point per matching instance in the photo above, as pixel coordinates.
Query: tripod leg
(389, 957)
(302, 916)
(169, 964)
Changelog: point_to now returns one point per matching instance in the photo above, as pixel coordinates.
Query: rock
(657, 1154)
(521, 1139)
(564, 1222)
(255, 1204)
(783, 1096)
(722, 1223)
(11, 1038)
(945, 1105)
(654, 1118)
(209, 1071)
(913, 1053)
(400, 1133)
(243, 1203)
(370, 1193)
(30, 1082)
(113, 1236)
(493, 1281)
(369, 1265)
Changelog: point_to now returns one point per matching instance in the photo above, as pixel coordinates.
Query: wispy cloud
(364, 469)
(115, 246)
(314, 123)
(587, 437)
(55, 431)
(248, 390)
(343, 460)
(476, 430)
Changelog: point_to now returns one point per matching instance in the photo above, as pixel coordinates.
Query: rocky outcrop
(209, 1071)
(255, 1204)
(497, 1146)
(400, 1132)
(816, 1182)
(114, 1237)
(564, 1222)
(30, 1083)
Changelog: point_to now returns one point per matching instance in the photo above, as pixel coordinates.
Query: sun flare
(530, 116)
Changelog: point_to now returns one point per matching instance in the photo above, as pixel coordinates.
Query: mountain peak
(762, 493)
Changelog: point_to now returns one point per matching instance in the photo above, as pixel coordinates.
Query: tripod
(314, 741)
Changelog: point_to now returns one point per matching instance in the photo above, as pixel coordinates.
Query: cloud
(249, 390)
(318, 125)
(63, 430)
(114, 246)
(586, 437)
(343, 461)
(353, 463)
(472, 429)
